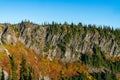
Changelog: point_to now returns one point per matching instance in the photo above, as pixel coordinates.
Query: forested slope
(55, 51)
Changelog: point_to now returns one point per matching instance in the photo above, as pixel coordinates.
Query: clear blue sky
(97, 12)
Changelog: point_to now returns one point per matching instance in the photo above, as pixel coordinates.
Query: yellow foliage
(18, 50)
(114, 59)
(42, 65)
(56, 68)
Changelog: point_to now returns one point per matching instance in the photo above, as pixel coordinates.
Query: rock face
(65, 42)
(77, 47)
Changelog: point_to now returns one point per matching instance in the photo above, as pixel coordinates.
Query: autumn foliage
(42, 65)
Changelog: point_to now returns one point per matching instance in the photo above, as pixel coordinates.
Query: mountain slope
(64, 50)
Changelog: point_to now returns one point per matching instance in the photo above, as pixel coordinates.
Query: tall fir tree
(13, 67)
(24, 71)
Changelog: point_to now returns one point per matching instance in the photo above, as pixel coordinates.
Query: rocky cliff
(65, 42)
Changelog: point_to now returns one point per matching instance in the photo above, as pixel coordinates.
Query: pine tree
(24, 71)
(31, 72)
(13, 67)
(3, 76)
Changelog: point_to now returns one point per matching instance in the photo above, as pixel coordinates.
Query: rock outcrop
(66, 42)
(96, 48)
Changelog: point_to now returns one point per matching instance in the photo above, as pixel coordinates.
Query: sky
(99, 12)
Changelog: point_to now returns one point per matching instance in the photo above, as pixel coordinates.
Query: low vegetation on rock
(29, 51)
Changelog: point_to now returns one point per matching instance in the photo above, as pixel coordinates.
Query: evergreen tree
(30, 73)
(13, 67)
(24, 71)
(2, 75)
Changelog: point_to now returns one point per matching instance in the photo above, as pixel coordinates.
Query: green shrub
(67, 38)
(47, 47)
